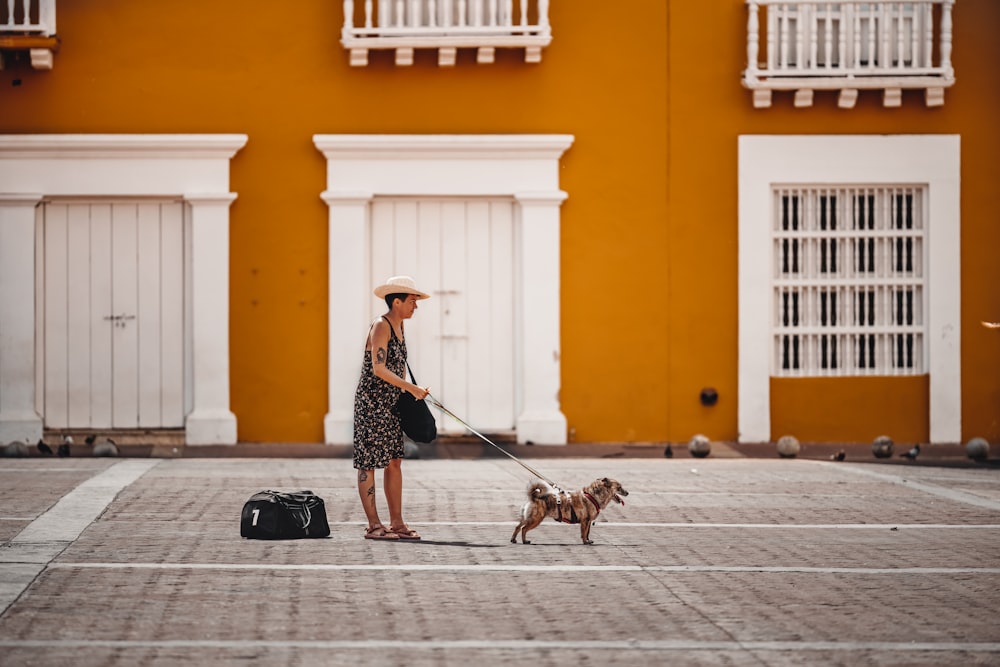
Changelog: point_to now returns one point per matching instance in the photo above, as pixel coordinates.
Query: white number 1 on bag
(256, 513)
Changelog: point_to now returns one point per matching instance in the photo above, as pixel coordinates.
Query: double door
(461, 342)
(111, 330)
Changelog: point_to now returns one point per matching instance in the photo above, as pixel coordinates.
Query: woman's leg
(366, 489)
(393, 483)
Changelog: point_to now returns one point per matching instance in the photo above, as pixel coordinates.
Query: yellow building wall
(226, 66)
(707, 113)
(650, 89)
(859, 409)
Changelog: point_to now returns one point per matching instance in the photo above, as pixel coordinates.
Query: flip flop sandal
(380, 533)
(405, 533)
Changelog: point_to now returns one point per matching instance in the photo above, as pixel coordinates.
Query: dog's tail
(539, 490)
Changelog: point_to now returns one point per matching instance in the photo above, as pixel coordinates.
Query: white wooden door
(460, 341)
(112, 315)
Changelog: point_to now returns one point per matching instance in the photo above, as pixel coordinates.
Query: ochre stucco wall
(649, 254)
(706, 115)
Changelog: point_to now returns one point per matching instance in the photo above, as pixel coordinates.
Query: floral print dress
(378, 435)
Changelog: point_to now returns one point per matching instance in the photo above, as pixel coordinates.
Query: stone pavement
(718, 561)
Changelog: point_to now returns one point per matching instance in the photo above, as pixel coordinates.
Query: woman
(378, 436)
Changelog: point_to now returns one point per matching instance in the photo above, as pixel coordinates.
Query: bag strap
(412, 379)
(295, 501)
(370, 332)
(299, 496)
(393, 331)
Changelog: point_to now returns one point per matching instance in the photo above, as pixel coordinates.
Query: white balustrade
(446, 25)
(37, 17)
(30, 25)
(846, 45)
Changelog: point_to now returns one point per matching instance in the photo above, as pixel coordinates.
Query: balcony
(814, 45)
(445, 26)
(28, 26)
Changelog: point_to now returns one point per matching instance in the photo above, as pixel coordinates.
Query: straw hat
(399, 285)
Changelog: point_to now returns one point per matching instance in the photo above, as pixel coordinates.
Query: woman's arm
(380, 353)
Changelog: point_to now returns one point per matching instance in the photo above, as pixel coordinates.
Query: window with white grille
(849, 281)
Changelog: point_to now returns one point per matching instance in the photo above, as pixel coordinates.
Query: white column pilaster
(348, 305)
(944, 317)
(210, 422)
(541, 420)
(18, 418)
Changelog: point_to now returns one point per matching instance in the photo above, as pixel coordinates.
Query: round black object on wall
(709, 396)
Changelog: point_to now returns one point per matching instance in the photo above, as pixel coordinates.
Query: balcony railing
(847, 46)
(29, 25)
(445, 25)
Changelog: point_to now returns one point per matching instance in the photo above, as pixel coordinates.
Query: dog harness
(573, 518)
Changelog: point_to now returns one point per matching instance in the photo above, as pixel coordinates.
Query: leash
(436, 403)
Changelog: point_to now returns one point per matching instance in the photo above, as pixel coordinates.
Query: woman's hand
(419, 393)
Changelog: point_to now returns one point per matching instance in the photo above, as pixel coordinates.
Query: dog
(580, 507)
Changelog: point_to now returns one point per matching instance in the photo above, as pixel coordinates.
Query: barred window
(849, 282)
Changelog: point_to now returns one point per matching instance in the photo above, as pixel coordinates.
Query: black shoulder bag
(415, 417)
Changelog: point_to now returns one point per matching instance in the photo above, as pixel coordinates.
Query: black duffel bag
(272, 515)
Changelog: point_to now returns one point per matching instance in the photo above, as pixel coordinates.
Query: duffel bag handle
(297, 500)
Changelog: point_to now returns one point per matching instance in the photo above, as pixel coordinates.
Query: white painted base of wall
(210, 427)
(338, 428)
(15, 427)
(541, 429)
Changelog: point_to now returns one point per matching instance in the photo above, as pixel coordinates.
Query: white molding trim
(522, 167)
(18, 418)
(192, 167)
(932, 160)
(122, 146)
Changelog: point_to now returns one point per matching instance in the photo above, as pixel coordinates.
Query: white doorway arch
(524, 168)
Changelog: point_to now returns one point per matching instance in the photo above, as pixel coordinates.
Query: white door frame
(194, 168)
(523, 167)
(931, 159)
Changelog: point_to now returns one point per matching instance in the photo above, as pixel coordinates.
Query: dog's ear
(607, 482)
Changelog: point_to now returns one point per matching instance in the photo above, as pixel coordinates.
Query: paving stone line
(515, 645)
(499, 567)
(933, 489)
(41, 541)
